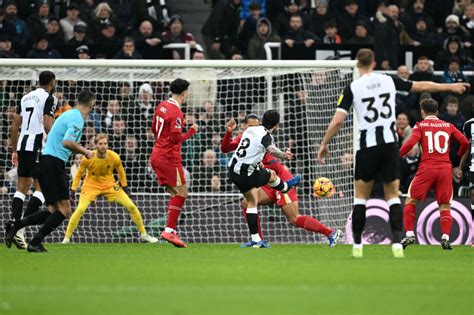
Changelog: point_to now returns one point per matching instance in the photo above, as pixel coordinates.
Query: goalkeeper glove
(127, 191)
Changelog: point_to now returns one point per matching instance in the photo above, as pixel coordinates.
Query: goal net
(304, 92)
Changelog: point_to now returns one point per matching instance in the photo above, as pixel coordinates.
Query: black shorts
(53, 179)
(28, 164)
(380, 160)
(259, 177)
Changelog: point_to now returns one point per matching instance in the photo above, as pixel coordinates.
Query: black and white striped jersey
(373, 96)
(33, 106)
(468, 130)
(251, 150)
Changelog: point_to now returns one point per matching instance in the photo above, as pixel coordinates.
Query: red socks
(258, 222)
(174, 209)
(311, 224)
(409, 216)
(446, 222)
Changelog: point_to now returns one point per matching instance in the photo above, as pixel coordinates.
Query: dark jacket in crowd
(387, 42)
(346, 24)
(43, 54)
(223, 23)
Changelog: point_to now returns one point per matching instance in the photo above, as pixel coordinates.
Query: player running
(373, 96)
(100, 181)
(167, 127)
(435, 169)
(62, 141)
(35, 116)
(245, 172)
(287, 202)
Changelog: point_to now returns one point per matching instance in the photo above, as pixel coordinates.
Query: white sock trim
(357, 246)
(394, 201)
(169, 230)
(39, 195)
(275, 183)
(252, 210)
(410, 234)
(358, 201)
(256, 237)
(19, 195)
(397, 246)
(445, 237)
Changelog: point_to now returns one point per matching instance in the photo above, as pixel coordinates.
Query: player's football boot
(292, 183)
(408, 240)
(19, 239)
(248, 244)
(445, 244)
(173, 238)
(148, 238)
(252, 244)
(36, 248)
(334, 237)
(357, 252)
(66, 240)
(10, 232)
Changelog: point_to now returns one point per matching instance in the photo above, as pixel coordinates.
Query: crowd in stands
(235, 29)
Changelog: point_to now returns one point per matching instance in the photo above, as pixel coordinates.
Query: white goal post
(305, 92)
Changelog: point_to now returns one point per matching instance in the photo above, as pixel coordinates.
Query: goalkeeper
(100, 181)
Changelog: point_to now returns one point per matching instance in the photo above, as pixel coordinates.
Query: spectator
(6, 48)
(216, 184)
(128, 50)
(55, 34)
(387, 38)
(153, 10)
(6, 28)
(249, 26)
(403, 128)
(331, 37)
(176, 34)
(453, 28)
(86, 9)
(118, 137)
(107, 42)
(422, 35)
(203, 83)
(416, 13)
(124, 95)
(319, 18)
(63, 104)
(452, 47)
(113, 109)
(298, 38)
(453, 73)
(135, 164)
(82, 52)
(361, 35)
(453, 116)
(202, 174)
(246, 11)
(347, 20)
(148, 42)
(423, 71)
(69, 22)
(282, 22)
(78, 39)
(263, 35)
(142, 111)
(192, 147)
(467, 21)
(38, 21)
(103, 17)
(221, 28)
(21, 37)
(402, 97)
(41, 49)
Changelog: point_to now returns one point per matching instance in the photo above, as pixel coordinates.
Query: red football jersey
(168, 122)
(435, 136)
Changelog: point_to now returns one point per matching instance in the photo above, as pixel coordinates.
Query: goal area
(304, 92)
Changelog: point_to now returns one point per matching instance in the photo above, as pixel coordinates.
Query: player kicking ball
(245, 172)
(100, 181)
(287, 202)
(435, 169)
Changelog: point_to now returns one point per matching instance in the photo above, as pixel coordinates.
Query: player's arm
(14, 134)
(227, 144)
(467, 132)
(267, 142)
(72, 135)
(80, 172)
(414, 138)
(462, 140)
(121, 173)
(433, 87)
(176, 130)
(344, 104)
(48, 113)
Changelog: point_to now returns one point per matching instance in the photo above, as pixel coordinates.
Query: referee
(61, 142)
(373, 96)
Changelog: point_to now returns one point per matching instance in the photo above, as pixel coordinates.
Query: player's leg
(22, 187)
(409, 218)
(252, 217)
(124, 200)
(444, 195)
(36, 200)
(276, 183)
(81, 208)
(265, 197)
(363, 189)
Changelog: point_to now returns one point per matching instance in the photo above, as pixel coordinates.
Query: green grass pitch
(225, 279)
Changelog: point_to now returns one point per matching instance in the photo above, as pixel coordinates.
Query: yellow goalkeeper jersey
(100, 171)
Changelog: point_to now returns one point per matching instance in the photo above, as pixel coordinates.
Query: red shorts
(279, 198)
(441, 180)
(169, 175)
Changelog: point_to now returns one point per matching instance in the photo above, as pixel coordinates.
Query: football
(323, 187)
